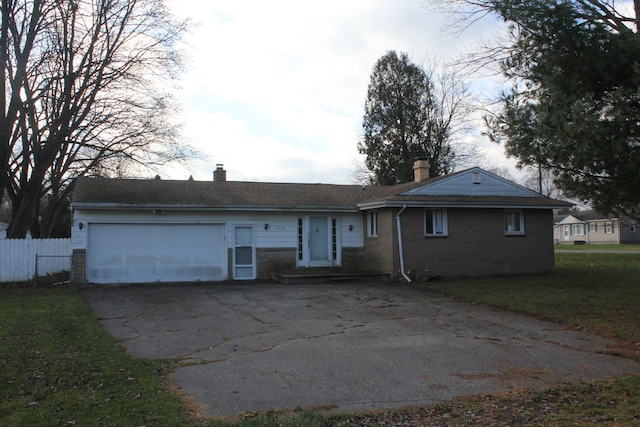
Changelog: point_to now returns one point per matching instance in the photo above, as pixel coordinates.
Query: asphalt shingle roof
(228, 193)
(589, 215)
(263, 195)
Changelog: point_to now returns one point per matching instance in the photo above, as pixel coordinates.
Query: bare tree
(543, 181)
(501, 171)
(82, 85)
(360, 174)
(450, 114)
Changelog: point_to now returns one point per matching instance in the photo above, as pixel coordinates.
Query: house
(468, 223)
(3, 230)
(582, 227)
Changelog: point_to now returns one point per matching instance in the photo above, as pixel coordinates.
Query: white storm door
(244, 256)
(319, 243)
(565, 232)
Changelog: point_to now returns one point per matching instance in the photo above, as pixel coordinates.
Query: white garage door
(144, 253)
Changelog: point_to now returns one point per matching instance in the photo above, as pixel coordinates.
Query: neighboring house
(468, 223)
(589, 226)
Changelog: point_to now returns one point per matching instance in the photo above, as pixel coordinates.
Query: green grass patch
(598, 247)
(58, 366)
(593, 291)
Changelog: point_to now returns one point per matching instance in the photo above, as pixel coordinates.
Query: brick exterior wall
(380, 251)
(272, 261)
(353, 259)
(475, 246)
(79, 267)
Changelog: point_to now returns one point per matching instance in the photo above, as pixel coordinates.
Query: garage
(146, 253)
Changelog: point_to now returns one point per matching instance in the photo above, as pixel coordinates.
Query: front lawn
(594, 291)
(58, 366)
(598, 247)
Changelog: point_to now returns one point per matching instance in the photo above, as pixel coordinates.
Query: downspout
(400, 245)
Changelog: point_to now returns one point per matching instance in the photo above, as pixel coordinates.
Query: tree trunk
(5, 129)
(26, 211)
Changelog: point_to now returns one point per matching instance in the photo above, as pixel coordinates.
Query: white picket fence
(23, 259)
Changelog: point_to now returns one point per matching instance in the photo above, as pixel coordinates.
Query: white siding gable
(472, 182)
(570, 220)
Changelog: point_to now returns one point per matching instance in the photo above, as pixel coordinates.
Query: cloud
(276, 90)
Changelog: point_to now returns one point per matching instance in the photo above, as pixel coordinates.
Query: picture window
(577, 229)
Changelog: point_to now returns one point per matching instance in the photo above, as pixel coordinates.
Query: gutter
(404, 275)
(451, 204)
(211, 207)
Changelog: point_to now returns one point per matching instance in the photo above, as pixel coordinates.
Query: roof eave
(457, 204)
(205, 207)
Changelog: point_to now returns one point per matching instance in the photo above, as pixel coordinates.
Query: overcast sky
(275, 90)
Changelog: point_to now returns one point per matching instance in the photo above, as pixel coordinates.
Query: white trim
(303, 241)
(335, 236)
(454, 204)
(518, 229)
(197, 207)
(244, 267)
(439, 222)
(577, 229)
(372, 223)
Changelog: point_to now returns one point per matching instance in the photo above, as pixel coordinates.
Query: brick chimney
(421, 169)
(219, 175)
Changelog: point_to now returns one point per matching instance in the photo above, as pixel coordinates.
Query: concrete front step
(323, 276)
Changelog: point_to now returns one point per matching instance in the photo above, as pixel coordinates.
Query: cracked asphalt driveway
(256, 347)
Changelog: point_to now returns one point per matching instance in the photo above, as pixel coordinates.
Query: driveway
(256, 347)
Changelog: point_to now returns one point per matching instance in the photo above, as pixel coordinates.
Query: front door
(319, 242)
(565, 232)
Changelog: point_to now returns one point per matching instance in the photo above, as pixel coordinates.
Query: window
(334, 239)
(435, 222)
(608, 228)
(577, 229)
(632, 228)
(514, 222)
(372, 224)
(593, 227)
(300, 239)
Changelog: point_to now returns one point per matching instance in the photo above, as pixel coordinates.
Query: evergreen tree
(575, 98)
(402, 122)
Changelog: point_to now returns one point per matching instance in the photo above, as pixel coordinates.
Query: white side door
(244, 253)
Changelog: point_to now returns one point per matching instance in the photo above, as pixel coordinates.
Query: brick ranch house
(468, 223)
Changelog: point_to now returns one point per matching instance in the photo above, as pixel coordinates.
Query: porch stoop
(328, 276)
